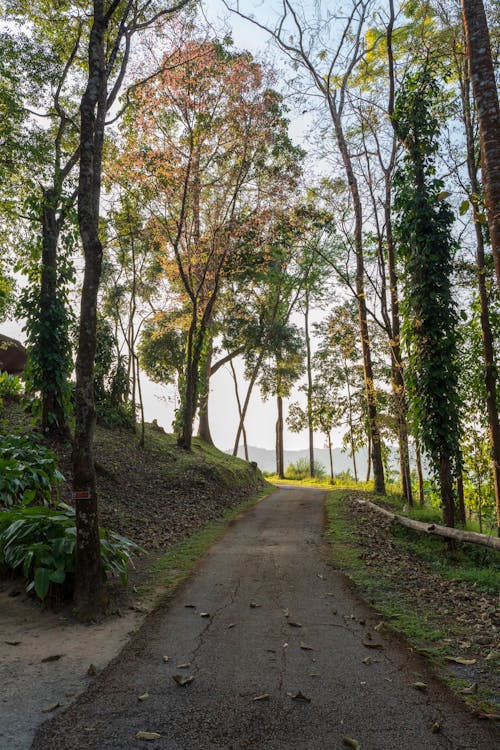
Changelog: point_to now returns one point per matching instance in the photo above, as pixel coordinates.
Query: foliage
(300, 469)
(40, 542)
(10, 386)
(48, 327)
(111, 383)
(28, 470)
(426, 248)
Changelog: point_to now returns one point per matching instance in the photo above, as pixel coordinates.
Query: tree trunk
(90, 591)
(330, 455)
(351, 426)
(280, 460)
(490, 370)
(461, 497)
(446, 486)
(420, 474)
(238, 401)
(204, 426)
(369, 465)
(247, 401)
(486, 97)
(50, 341)
(371, 399)
(310, 426)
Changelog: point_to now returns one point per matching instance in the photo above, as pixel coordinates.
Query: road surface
(266, 617)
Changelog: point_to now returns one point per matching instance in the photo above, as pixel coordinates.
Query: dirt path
(267, 576)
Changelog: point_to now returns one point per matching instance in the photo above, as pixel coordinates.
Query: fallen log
(433, 528)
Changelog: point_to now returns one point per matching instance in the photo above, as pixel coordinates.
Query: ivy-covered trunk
(90, 590)
(52, 343)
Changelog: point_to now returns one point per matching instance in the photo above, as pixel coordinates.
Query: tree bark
(310, 426)
(490, 370)
(90, 591)
(238, 401)
(461, 497)
(280, 459)
(420, 474)
(330, 455)
(446, 484)
(204, 425)
(486, 97)
(247, 401)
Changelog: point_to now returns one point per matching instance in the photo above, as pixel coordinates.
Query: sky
(159, 400)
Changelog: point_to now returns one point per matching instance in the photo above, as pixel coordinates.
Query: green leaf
(464, 207)
(42, 582)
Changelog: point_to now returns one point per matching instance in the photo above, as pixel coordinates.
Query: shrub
(300, 469)
(28, 470)
(10, 386)
(40, 543)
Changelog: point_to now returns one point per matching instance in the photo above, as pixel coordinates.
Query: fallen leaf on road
(53, 657)
(231, 625)
(379, 626)
(165, 658)
(471, 689)
(263, 697)
(182, 679)
(204, 614)
(299, 696)
(286, 612)
(190, 606)
(143, 697)
(184, 666)
(306, 647)
(92, 670)
(367, 660)
(419, 685)
(372, 644)
(294, 624)
(314, 674)
(12, 643)
(147, 736)
(50, 708)
(320, 575)
(436, 727)
(460, 660)
(351, 743)
(254, 605)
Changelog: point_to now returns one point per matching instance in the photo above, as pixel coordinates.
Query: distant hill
(266, 459)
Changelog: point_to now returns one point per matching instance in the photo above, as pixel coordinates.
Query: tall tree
(211, 124)
(113, 24)
(426, 246)
(307, 41)
(482, 76)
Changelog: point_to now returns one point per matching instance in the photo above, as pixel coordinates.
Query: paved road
(269, 571)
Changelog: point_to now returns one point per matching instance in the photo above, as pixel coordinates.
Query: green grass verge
(175, 565)
(429, 633)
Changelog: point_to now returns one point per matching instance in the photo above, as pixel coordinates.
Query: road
(267, 615)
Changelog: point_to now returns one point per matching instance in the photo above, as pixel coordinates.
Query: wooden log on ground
(433, 528)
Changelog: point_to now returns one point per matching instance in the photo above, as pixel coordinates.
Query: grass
(430, 633)
(176, 564)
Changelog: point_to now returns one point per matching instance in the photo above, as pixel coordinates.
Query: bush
(28, 470)
(300, 469)
(40, 543)
(10, 387)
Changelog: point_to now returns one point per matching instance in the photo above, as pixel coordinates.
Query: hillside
(158, 494)
(266, 459)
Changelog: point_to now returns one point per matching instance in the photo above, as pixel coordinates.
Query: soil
(469, 617)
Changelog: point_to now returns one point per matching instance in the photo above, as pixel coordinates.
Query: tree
(307, 43)
(210, 124)
(424, 221)
(482, 76)
(112, 27)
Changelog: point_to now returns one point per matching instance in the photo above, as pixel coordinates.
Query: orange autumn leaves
(206, 146)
